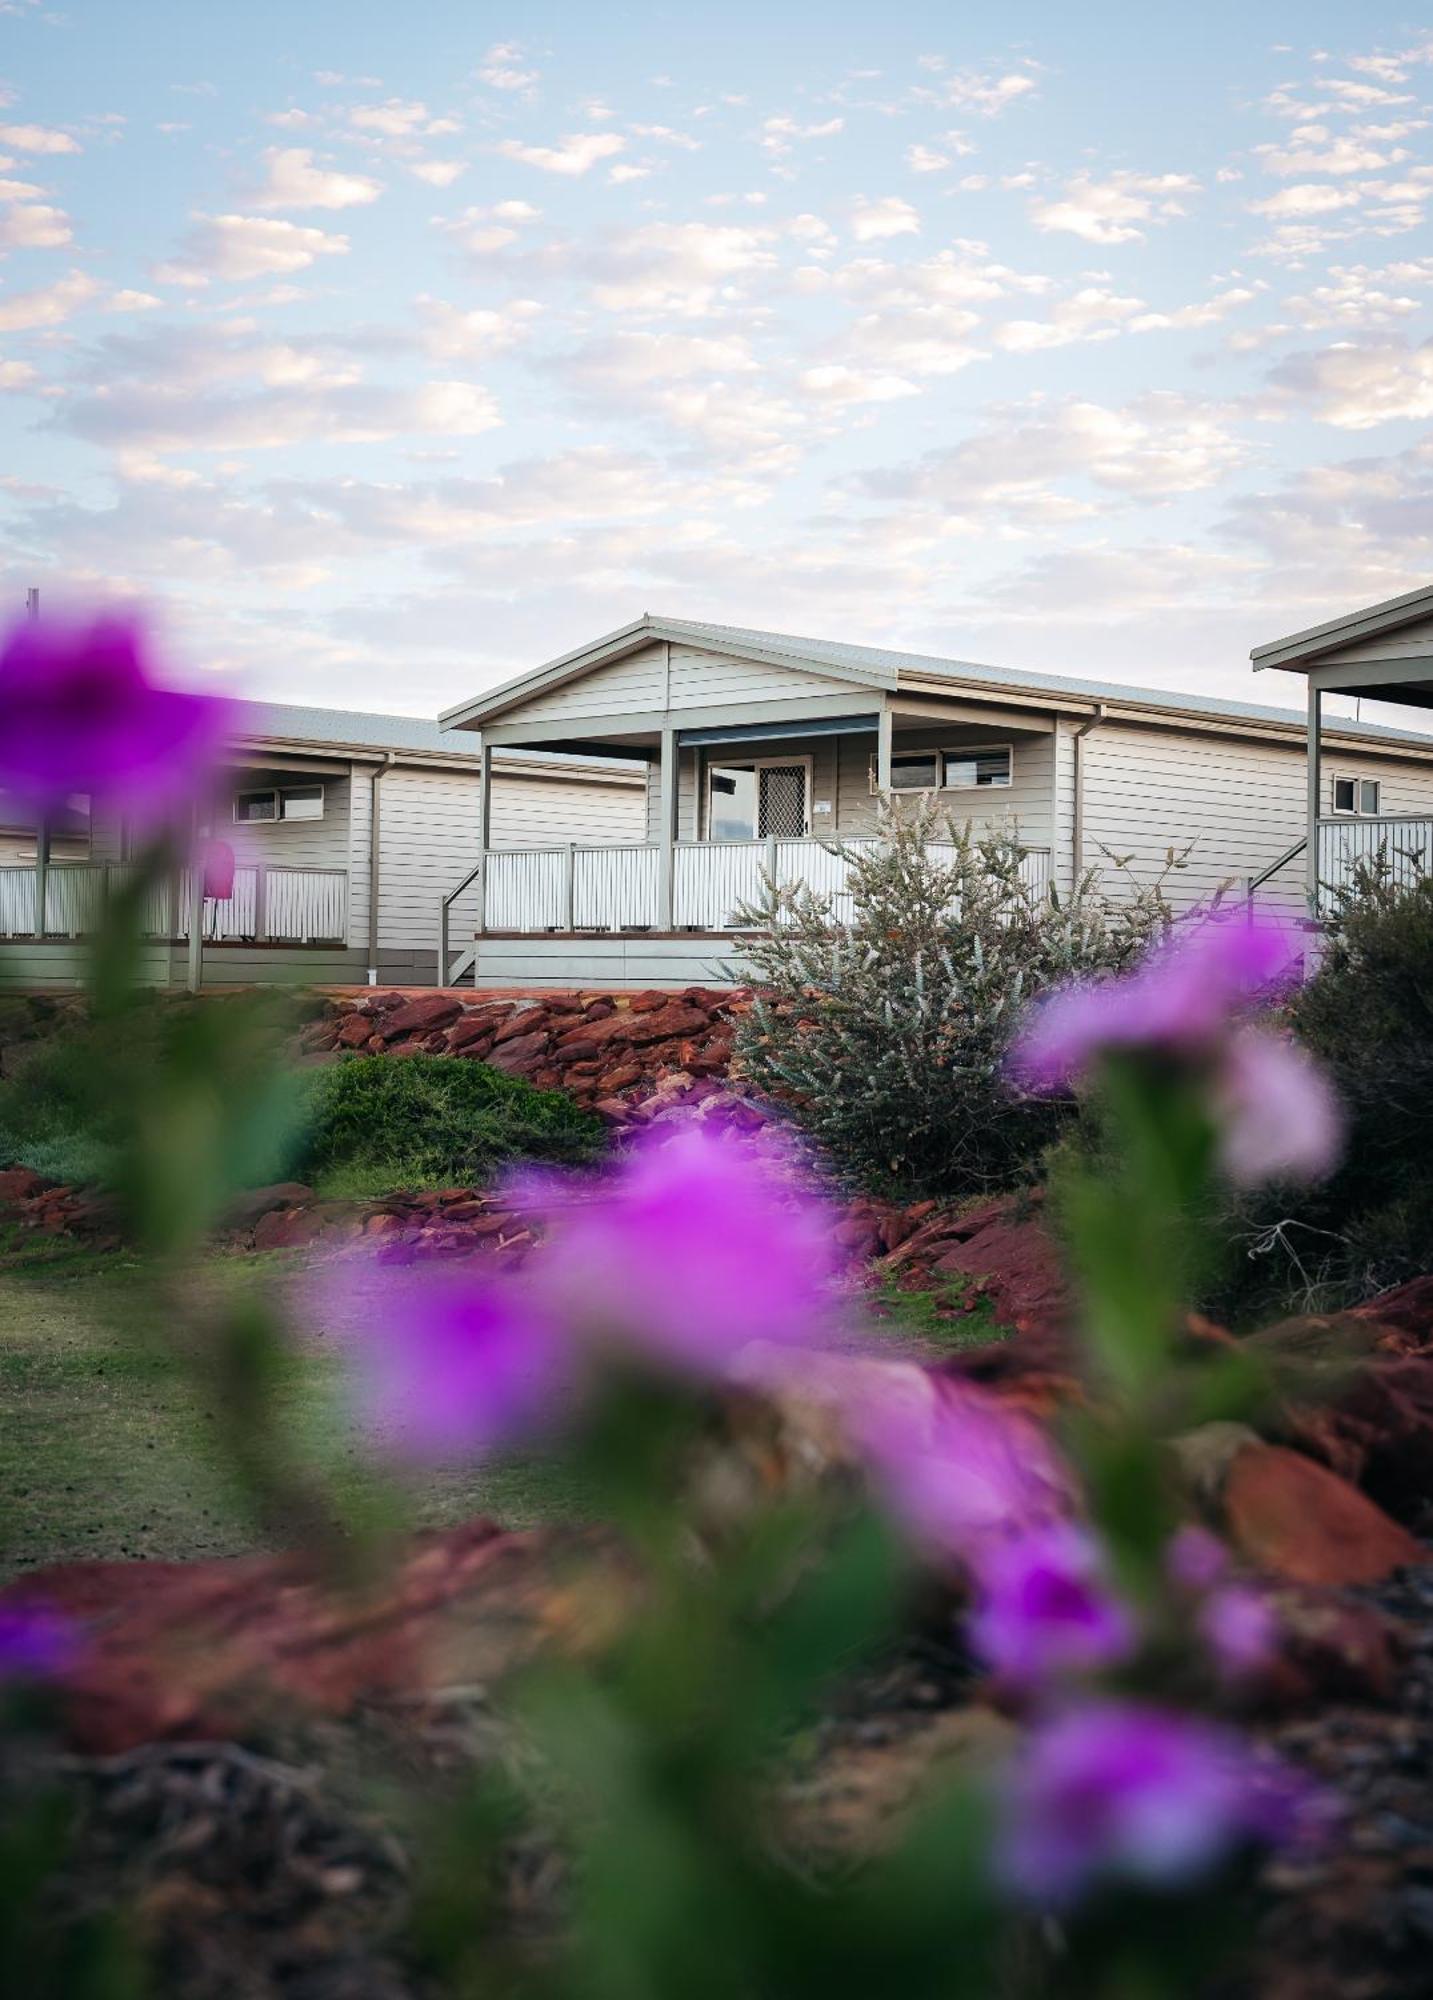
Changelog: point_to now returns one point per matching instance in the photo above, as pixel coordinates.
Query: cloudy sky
(392, 349)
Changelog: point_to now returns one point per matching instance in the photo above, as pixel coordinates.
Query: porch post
(1315, 777)
(485, 827)
(885, 723)
(667, 829)
(194, 977)
(42, 875)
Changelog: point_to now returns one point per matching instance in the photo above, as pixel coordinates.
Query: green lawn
(106, 1451)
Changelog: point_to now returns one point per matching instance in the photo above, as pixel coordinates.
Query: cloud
(1318, 154)
(576, 153)
(473, 333)
(985, 94)
(34, 226)
(485, 230)
(1356, 387)
(501, 68)
(1111, 210)
(37, 139)
(872, 220)
(1306, 198)
(20, 312)
(1159, 446)
(683, 268)
(781, 134)
(233, 248)
(1092, 313)
(438, 173)
(293, 180)
(397, 118)
(18, 375)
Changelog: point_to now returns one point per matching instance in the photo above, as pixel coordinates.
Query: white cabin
(757, 750)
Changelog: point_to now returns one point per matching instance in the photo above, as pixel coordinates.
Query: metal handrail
(1257, 881)
(445, 906)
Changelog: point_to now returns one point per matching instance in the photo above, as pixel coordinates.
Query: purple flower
(1279, 1117)
(443, 1366)
(1195, 1560)
(36, 1644)
(695, 1249)
(1238, 1625)
(1179, 999)
(1119, 1792)
(1046, 1608)
(79, 712)
(964, 1472)
(216, 859)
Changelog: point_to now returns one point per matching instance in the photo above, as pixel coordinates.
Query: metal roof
(882, 662)
(271, 721)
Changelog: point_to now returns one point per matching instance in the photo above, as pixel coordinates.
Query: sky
(387, 351)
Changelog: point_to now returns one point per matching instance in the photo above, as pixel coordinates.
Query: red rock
(666, 1023)
(648, 1002)
(19, 1184)
(476, 1051)
(433, 1010)
(354, 1032)
(202, 1650)
(288, 1228)
(244, 1211)
(621, 1078)
(471, 1028)
(547, 1079)
(1331, 1647)
(526, 1021)
(599, 1009)
(611, 1027)
(1295, 1518)
(516, 1055)
(613, 1111)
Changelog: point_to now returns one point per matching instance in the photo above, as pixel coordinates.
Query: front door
(781, 801)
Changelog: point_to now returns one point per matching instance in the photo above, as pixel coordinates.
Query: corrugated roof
(266, 721)
(884, 661)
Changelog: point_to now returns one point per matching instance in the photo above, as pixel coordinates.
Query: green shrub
(888, 1034)
(375, 1123)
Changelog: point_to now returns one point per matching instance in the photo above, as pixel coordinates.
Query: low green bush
(371, 1124)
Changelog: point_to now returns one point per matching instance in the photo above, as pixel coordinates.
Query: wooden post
(194, 977)
(485, 828)
(667, 830)
(569, 889)
(1315, 799)
(42, 877)
(885, 725)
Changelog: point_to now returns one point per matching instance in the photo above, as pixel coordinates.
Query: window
(918, 771)
(303, 802)
(293, 802)
(968, 770)
(1356, 795)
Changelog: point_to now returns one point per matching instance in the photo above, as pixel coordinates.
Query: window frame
(279, 793)
(1357, 810)
(753, 764)
(977, 750)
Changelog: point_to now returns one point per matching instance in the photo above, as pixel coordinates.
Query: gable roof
(1373, 621)
(885, 669)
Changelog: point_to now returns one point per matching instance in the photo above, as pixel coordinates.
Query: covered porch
(735, 804)
(1360, 814)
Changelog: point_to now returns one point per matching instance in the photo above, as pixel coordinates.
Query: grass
(939, 1318)
(107, 1452)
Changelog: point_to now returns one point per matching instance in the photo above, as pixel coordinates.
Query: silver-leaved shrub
(884, 1022)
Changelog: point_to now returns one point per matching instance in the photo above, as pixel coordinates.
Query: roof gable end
(1358, 628)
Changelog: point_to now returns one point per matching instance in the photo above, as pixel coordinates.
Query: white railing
(618, 888)
(1402, 843)
(269, 905)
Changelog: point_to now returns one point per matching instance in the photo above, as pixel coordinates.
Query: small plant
(426, 1121)
(888, 1033)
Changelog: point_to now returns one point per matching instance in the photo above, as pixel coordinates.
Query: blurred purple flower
(80, 712)
(444, 1365)
(1238, 1625)
(37, 1644)
(216, 858)
(695, 1249)
(1046, 1608)
(1119, 1792)
(964, 1472)
(1196, 1560)
(1180, 999)
(1279, 1117)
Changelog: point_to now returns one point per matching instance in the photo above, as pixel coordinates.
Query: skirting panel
(620, 964)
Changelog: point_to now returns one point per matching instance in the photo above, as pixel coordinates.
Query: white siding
(640, 684)
(1411, 641)
(530, 812)
(1241, 802)
(290, 843)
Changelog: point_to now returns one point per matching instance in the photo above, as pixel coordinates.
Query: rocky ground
(233, 1722)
